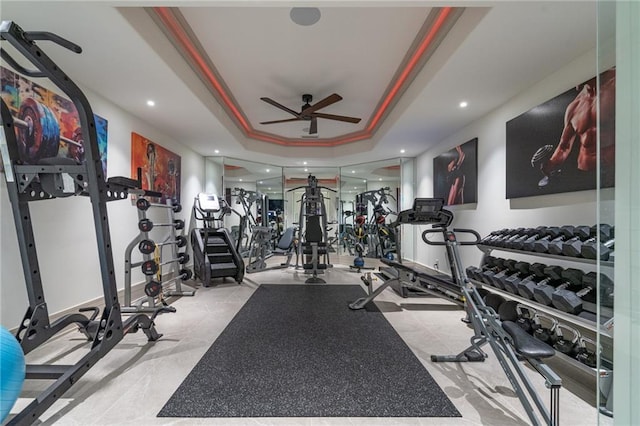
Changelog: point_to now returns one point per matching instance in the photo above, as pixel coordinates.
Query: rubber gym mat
(299, 351)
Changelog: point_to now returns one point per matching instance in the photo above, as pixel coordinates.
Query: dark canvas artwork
(552, 148)
(455, 174)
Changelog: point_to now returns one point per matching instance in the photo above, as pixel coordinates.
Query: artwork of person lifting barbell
(566, 141)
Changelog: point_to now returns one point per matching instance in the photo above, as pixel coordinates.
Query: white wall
(493, 211)
(64, 230)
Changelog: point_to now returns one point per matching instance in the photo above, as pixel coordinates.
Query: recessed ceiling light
(260, 182)
(216, 151)
(402, 151)
(268, 170)
(150, 103)
(240, 180)
(464, 104)
(306, 170)
(355, 187)
(269, 189)
(304, 163)
(305, 16)
(353, 171)
(364, 180)
(379, 178)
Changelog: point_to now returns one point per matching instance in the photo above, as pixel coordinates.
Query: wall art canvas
(455, 174)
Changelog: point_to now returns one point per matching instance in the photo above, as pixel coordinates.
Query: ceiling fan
(308, 112)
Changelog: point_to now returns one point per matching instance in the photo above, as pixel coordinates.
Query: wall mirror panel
(369, 200)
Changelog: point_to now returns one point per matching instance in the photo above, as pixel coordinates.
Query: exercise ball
(358, 262)
(389, 256)
(12, 369)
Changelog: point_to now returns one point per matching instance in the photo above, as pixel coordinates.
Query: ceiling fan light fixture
(305, 16)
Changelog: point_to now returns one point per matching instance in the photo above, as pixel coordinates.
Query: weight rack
(55, 177)
(149, 303)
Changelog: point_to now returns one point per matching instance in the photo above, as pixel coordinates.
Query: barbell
(151, 267)
(146, 225)
(149, 246)
(144, 205)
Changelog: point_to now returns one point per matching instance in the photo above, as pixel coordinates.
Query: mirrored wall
(361, 201)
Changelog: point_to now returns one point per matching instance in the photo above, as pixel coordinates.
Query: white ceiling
(494, 51)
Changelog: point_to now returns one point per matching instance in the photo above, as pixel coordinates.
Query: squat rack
(57, 177)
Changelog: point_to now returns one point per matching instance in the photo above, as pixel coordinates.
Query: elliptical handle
(468, 231)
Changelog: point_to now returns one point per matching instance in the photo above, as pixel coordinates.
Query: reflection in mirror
(295, 182)
(253, 190)
(369, 195)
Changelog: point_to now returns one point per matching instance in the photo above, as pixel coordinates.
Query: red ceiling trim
(415, 58)
(180, 36)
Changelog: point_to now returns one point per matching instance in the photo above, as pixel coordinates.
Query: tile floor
(132, 382)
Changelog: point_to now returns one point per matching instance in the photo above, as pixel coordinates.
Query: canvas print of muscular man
(553, 147)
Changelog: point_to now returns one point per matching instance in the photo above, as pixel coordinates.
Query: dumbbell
(571, 302)
(151, 267)
(573, 246)
(485, 273)
(537, 277)
(499, 242)
(542, 333)
(509, 267)
(494, 301)
(528, 244)
(510, 283)
(144, 205)
(566, 233)
(531, 234)
(493, 235)
(146, 225)
(149, 246)
(564, 345)
(540, 245)
(543, 293)
(475, 272)
(522, 233)
(526, 317)
(589, 248)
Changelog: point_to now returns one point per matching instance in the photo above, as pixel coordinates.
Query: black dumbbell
(531, 234)
(523, 233)
(528, 244)
(499, 242)
(493, 301)
(146, 225)
(474, 272)
(570, 301)
(486, 275)
(543, 293)
(493, 235)
(573, 246)
(590, 247)
(149, 246)
(509, 267)
(538, 276)
(605, 285)
(566, 233)
(544, 331)
(540, 245)
(510, 283)
(565, 345)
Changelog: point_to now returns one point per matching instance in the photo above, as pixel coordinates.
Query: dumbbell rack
(149, 303)
(586, 327)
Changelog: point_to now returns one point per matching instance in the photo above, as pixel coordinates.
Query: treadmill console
(426, 211)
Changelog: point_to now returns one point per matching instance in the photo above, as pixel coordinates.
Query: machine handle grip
(45, 35)
(444, 230)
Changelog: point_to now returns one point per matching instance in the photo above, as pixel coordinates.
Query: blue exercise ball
(358, 262)
(389, 256)
(12, 370)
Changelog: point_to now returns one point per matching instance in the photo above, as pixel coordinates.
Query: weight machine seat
(285, 244)
(525, 344)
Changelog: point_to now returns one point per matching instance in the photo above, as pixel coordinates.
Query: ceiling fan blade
(337, 117)
(331, 99)
(282, 107)
(280, 121)
(313, 128)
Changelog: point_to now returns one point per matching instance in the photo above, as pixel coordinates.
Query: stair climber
(215, 253)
